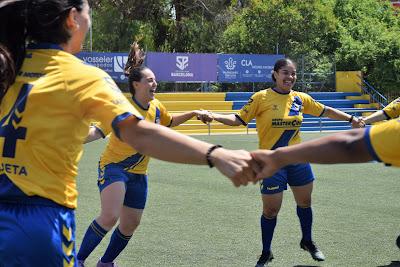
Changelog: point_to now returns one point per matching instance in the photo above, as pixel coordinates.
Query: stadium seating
(352, 103)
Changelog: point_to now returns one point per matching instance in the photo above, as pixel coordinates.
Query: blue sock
(93, 236)
(306, 220)
(267, 232)
(117, 243)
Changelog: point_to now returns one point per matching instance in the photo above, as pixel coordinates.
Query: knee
(127, 228)
(270, 212)
(108, 220)
(304, 203)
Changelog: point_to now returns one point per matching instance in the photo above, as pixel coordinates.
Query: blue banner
(174, 67)
(180, 67)
(246, 68)
(112, 63)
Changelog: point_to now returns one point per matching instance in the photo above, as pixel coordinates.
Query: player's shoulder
(262, 93)
(390, 125)
(300, 94)
(77, 68)
(155, 102)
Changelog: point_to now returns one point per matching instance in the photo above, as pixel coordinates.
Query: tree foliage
(348, 34)
(368, 35)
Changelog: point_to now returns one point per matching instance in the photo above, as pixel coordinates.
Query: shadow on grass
(392, 264)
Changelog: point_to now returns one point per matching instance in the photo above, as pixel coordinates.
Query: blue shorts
(294, 175)
(36, 235)
(135, 185)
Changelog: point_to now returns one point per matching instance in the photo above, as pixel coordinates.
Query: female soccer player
(122, 171)
(44, 119)
(379, 142)
(279, 115)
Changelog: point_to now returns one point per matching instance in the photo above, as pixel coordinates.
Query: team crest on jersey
(296, 106)
(157, 117)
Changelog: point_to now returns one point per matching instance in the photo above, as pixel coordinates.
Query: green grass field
(195, 217)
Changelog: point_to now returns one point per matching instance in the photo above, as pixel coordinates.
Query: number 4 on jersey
(9, 128)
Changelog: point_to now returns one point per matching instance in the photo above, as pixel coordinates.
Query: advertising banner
(182, 67)
(234, 68)
(112, 63)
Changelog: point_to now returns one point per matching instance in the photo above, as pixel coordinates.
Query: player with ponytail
(49, 98)
(122, 177)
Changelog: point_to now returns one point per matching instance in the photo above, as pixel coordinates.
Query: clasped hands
(243, 167)
(240, 166)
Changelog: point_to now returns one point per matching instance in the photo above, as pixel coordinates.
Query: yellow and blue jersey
(122, 155)
(45, 118)
(383, 142)
(392, 110)
(279, 116)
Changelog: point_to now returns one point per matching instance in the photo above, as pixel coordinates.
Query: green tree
(369, 41)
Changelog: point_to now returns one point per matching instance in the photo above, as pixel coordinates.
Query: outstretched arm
(375, 117)
(202, 115)
(346, 147)
(336, 114)
(166, 144)
(227, 119)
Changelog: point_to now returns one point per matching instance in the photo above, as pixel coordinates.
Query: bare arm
(374, 117)
(94, 134)
(336, 114)
(340, 115)
(227, 119)
(346, 147)
(166, 144)
(178, 119)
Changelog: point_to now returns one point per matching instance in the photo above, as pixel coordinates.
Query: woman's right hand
(204, 115)
(267, 163)
(237, 165)
(358, 122)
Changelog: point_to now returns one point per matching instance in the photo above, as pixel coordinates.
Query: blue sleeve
(371, 150)
(120, 118)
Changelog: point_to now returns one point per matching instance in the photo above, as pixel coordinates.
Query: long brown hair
(23, 21)
(134, 66)
(7, 71)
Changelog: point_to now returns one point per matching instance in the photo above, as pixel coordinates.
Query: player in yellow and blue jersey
(391, 111)
(48, 97)
(123, 171)
(279, 114)
(379, 142)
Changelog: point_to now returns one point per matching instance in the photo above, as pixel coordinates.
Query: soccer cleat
(264, 259)
(81, 263)
(315, 253)
(107, 264)
(398, 241)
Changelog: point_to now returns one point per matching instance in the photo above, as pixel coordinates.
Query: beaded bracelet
(208, 154)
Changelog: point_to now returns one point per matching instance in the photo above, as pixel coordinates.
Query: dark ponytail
(133, 67)
(7, 71)
(12, 41)
(13, 29)
(22, 21)
(46, 20)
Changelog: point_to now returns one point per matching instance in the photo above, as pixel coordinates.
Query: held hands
(267, 163)
(242, 167)
(358, 122)
(237, 165)
(204, 115)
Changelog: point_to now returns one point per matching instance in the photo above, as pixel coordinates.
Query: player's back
(43, 125)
